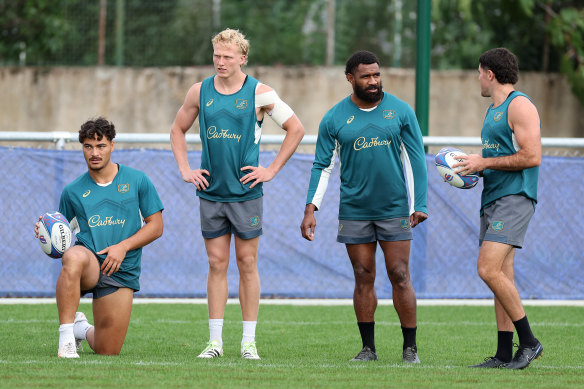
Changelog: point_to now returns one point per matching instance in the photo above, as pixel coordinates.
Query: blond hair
(228, 37)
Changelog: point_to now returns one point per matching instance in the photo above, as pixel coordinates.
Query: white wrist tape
(281, 111)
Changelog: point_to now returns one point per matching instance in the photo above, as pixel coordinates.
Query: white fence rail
(60, 138)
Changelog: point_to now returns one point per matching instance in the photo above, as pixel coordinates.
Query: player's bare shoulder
(522, 112)
(193, 97)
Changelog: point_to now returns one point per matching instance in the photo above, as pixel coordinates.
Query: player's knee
(108, 350)
(218, 265)
(399, 276)
(247, 264)
(485, 273)
(72, 262)
(363, 275)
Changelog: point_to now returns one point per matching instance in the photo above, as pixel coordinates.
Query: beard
(365, 95)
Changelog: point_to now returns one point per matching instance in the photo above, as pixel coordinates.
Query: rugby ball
(444, 161)
(54, 234)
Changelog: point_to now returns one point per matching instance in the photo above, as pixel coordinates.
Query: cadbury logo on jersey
(213, 133)
(361, 143)
(487, 145)
(97, 221)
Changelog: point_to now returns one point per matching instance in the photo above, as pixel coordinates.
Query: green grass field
(300, 346)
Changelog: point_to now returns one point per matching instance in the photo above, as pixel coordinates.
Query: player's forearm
(294, 135)
(178, 144)
(523, 159)
(150, 231)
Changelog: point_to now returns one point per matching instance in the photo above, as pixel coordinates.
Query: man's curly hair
(97, 128)
(502, 63)
(360, 57)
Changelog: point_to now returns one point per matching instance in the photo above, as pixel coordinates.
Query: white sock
(66, 334)
(249, 328)
(216, 330)
(80, 329)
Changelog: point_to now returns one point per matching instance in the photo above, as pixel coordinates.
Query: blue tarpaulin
(444, 249)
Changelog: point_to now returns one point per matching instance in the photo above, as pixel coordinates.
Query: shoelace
(69, 348)
(363, 353)
(210, 346)
(249, 348)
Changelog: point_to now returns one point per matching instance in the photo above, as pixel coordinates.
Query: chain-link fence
(142, 33)
(444, 249)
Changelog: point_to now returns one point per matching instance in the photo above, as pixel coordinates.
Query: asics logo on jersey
(97, 221)
(388, 114)
(123, 188)
(240, 104)
(498, 116)
(213, 133)
(350, 119)
(361, 143)
(86, 193)
(209, 102)
(487, 145)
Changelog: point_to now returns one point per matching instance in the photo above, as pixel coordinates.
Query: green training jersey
(379, 150)
(230, 135)
(109, 214)
(498, 141)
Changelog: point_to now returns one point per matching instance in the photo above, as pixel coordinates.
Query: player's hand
(114, 259)
(197, 178)
(258, 174)
(417, 217)
(37, 225)
(472, 163)
(308, 224)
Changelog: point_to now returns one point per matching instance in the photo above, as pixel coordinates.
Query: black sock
(526, 338)
(504, 346)
(409, 337)
(367, 330)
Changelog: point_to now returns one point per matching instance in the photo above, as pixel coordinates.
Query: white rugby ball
(444, 161)
(54, 234)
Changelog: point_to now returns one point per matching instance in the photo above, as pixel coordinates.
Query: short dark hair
(358, 58)
(502, 63)
(97, 128)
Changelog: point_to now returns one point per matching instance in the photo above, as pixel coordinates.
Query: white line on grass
(138, 321)
(321, 302)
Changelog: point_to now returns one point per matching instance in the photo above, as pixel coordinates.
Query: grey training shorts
(506, 220)
(365, 231)
(105, 284)
(243, 218)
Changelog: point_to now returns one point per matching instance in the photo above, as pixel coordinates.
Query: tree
(566, 30)
(32, 31)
